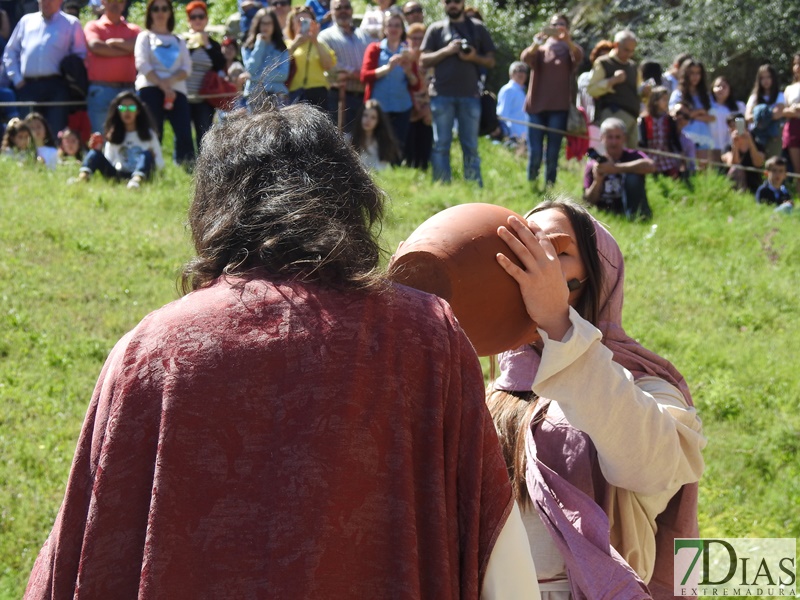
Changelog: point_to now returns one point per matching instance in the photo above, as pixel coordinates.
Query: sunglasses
(197, 17)
(684, 115)
(413, 11)
(343, 7)
(453, 1)
(127, 108)
(160, 8)
(281, 3)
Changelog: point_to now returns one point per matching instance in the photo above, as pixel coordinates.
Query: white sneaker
(133, 184)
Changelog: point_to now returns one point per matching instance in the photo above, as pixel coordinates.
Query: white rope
(649, 151)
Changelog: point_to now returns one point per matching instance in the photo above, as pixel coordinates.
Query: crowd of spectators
(424, 83)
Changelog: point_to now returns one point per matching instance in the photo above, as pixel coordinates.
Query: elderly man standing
(33, 56)
(615, 182)
(457, 48)
(616, 85)
(110, 62)
(349, 45)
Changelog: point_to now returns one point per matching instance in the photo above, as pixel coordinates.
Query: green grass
(712, 285)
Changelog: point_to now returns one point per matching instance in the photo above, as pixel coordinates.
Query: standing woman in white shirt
(599, 434)
(723, 104)
(164, 63)
(791, 112)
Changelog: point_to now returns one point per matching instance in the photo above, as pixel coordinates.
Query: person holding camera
(312, 56)
(743, 151)
(457, 48)
(615, 181)
(553, 58)
(390, 76)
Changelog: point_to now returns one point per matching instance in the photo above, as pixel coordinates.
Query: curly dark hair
(281, 190)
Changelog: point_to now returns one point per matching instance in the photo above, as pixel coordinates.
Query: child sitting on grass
(373, 138)
(43, 139)
(773, 191)
(132, 150)
(69, 145)
(18, 141)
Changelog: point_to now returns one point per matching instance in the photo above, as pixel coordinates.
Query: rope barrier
(528, 124)
(83, 102)
(649, 151)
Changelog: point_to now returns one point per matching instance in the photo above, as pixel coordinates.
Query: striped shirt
(201, 64)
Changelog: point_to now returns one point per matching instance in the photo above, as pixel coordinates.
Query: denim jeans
(95, 160)
(98, 100)
(554, 119)
(634, 197)
(8, 112)
(179, 117)
(352, 102)
(202, 119)
(51, 89)
(446, 109)
(399, 121)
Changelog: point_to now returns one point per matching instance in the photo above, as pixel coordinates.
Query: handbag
(215, 86)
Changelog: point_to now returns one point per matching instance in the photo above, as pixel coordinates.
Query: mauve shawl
(564, 484)
(261, 439)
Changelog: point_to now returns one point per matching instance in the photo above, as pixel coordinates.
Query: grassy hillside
(712, 285)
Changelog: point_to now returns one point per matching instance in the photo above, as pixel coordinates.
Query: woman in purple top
(553, 58)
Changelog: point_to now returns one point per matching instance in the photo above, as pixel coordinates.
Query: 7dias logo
(755, 567)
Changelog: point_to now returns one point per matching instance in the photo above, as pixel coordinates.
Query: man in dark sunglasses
(460, 50)
(413, 13)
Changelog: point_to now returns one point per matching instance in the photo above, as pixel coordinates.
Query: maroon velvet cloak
(261, 439)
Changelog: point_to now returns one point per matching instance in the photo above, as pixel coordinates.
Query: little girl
(764, 110)
(131, 150)
(43, 139)
(722, 104)
(69, 145)
(657, 131)
(18, 140)
(693, 94)
(373, 137)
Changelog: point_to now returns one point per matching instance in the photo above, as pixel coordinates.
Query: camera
(305, 26)
(739, 125)
(596, 156)
(464, 46)
(550, 31)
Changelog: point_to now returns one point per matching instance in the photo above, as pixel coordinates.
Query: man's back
(287, 440)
